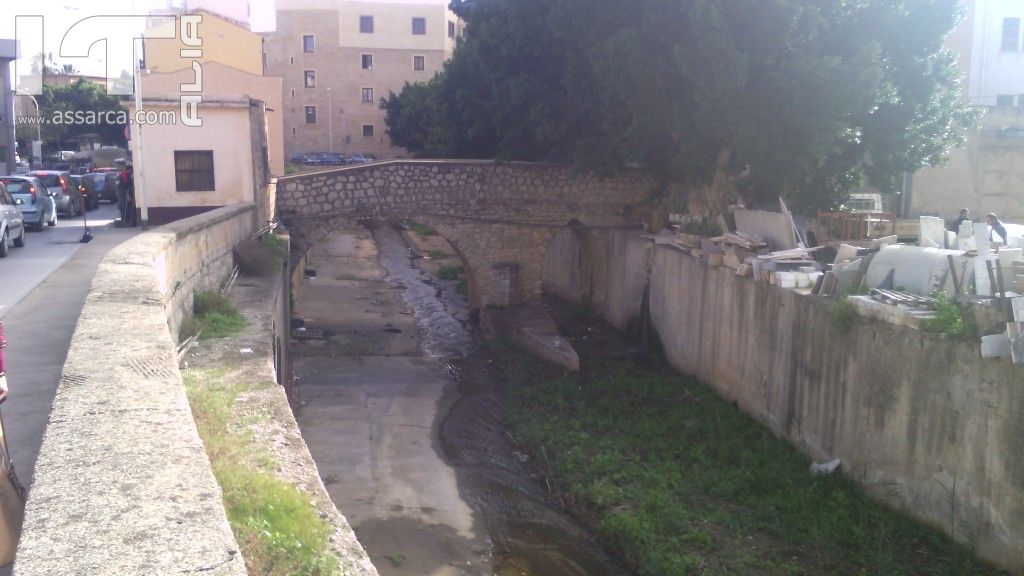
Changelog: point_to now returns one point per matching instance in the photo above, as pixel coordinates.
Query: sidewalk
(39, 330)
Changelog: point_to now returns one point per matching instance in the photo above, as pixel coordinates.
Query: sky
(116, 21)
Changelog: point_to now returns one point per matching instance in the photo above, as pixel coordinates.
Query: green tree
(63, 107)
(794, 98)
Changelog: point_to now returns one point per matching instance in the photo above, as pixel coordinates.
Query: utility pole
(138, 165)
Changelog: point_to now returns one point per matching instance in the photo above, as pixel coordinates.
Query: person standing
(965, 216)
(997, 226)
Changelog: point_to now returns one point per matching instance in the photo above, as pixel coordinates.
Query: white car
(12, 225)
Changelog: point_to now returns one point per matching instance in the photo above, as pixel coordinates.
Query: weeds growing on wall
(262, 256)
(948, 317)
(678, 481)
(278, 529)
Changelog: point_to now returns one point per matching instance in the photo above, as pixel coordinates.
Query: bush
(213, 316)
(948, 317)
(204, 303)
(844, 313)
(261, 257)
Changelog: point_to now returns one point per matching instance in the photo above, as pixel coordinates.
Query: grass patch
(213, 316)
(437, 254)
(678, 481)
(422, 229)
(948, 317)
(462, 288)
(278, 529)
(449, 271)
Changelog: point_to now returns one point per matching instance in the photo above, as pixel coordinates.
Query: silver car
(12, 225)
(37, 206)
(59, 183)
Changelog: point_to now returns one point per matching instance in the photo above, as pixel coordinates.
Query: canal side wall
(920, 419)
(122, 483)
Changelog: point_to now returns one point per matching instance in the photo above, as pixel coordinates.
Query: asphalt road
(43, 253)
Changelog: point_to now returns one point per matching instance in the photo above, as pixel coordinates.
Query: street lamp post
(330, 120)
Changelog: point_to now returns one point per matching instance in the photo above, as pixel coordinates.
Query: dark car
(361, 158)
(30, 196)
(299, 158)
(99, 186)
(333, 159)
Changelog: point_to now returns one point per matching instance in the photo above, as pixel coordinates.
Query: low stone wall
(921, 420)
(122, 484)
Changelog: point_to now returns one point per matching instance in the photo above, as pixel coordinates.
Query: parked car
(37, 206)
(100, 186)
(333, 159)
(59, 183)
(299, 158)
(12, 225)
(360, 158)
(90, 187)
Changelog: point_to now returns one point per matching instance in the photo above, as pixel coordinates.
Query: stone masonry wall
(921, 420)
(500, 217)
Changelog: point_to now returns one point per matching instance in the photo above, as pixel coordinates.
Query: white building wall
(995, 71)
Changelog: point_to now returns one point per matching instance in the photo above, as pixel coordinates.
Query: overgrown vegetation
(844, 314)
(678, 481)
(449, 271)
(213, 316)
(421, 228)
(278, 529)
(261, 257)
(437, 254)
(948, 317)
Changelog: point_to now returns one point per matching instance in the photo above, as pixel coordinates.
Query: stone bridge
(499, 217)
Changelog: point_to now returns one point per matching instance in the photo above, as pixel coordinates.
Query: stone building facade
(339, 58)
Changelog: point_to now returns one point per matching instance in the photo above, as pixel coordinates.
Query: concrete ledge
(122, 484)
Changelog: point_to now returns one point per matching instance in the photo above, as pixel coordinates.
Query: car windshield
(16, 186)
(49, 180)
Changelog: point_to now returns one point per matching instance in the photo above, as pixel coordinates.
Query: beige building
(338, 58)
(224, 149)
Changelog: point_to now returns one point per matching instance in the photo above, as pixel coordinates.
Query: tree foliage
(64, 106)
(796, 98)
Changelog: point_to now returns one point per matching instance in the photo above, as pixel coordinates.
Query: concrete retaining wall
(919, 419)
(122, 483)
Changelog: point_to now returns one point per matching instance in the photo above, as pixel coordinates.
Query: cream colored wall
(392, 26)
(222, 41)
(225, 130)
(220, 81)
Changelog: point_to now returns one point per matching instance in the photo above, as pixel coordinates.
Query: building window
(366, 24)
(310, 78)
(367, 130)
(419, 26)
(193, 170)
(310, 114)
(293, 92)
(367, 94)
(367, 61)
(418, 63)
(1011, 34)
(308, 43)
(451, 29)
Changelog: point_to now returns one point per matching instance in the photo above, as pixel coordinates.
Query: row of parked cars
(36, 199)
(330, 158)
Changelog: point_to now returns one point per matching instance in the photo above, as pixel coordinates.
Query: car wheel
(19, 242)
(39, 225)
(5, 245)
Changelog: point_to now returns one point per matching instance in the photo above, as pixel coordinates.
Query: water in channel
(530, 534)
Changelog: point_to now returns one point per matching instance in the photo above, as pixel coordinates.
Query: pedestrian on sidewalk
(3, 363)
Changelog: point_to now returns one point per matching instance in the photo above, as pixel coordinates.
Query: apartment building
(987, 174)
(338, 58)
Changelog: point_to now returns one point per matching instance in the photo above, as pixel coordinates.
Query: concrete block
(933, 232)
(995, 346)
(1017, 305)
